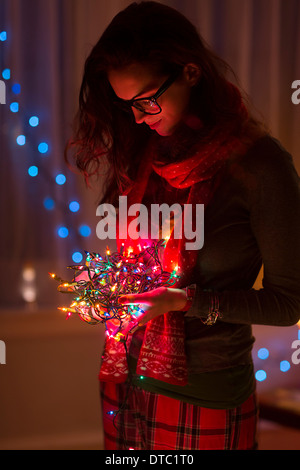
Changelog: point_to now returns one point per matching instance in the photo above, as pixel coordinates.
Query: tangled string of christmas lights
(100, 283)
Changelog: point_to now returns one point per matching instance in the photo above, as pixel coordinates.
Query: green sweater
(253, 220)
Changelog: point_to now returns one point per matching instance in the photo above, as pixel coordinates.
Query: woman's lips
(154, 125)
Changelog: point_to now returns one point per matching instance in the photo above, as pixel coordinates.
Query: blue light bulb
(49, 203)
(33, 170)
(43, 147)
(285, 366)
(260, 375)
(14, 107)
(263, 353)
(34, 121)
(77, 257)
(74, 206)
(60, 179)
(85, 230)
(63, 232)
(21, 139)
(6, 74)
(16, 88)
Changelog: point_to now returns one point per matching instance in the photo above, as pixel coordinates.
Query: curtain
(46, 44)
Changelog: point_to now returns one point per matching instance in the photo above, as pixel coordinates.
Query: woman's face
(138, 81)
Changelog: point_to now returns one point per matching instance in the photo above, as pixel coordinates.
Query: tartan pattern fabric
(149, 421)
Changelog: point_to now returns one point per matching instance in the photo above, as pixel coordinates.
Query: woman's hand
(157, 301)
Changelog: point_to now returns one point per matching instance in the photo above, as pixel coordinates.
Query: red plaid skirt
(147, 421)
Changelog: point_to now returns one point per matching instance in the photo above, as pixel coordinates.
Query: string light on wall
(273, 360)
(6, 74)
(34, 121)
(37, 169)
(3, 36)
(77, 257)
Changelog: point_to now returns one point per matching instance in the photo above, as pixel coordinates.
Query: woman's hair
(107, 137)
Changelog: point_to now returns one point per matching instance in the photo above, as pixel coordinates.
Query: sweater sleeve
(274, 212)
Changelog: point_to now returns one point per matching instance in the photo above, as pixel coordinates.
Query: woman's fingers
(148, 298)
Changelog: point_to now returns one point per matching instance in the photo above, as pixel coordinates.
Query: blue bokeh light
(49, 203)
(285, 366)
(33, 170)
(261, 375)
(263, 353)
(21, 139)
(34, 121)
(16, 88)
(74, 206)
(60, 179)
(43, 147)
(14, 107)
(85, 231)
(63, 232)
(77, 257)
(3, 36)
(6, 74)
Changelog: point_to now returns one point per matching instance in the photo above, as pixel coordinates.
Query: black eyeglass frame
(134, 102)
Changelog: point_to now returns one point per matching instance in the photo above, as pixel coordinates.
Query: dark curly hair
(106, 138)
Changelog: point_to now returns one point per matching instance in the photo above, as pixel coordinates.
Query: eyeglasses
(149, 105)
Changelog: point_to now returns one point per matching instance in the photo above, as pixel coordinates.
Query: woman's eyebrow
(146, 91)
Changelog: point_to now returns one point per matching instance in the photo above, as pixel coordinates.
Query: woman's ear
(192, 74)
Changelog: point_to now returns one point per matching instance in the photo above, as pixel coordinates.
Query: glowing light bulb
(60, 179)
(6, 74)
(285, 366)
(74, 206)
(84, 230)
(49, 203)
(63, 232)
(260, 375)
(14, 107)
(16, 88)
(29, 294)
(21, 139)
(43, 147)
(28, 289)
(33, 171)
(34, 121)
(263, 353)
(29, 274)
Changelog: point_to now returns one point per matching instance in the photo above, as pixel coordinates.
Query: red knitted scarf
(162, 355)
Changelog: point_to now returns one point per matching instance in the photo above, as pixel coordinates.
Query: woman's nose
(139, 116)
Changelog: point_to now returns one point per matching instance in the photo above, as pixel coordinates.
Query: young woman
(158, 112)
